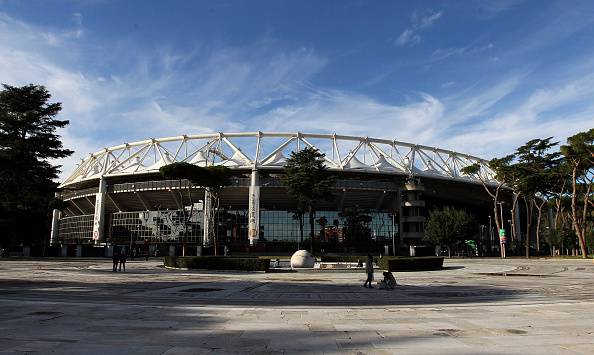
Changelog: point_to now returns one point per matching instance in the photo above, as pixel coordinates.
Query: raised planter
(422, 263)
(217, 263)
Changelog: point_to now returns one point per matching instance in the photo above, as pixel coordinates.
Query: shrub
(343, 258)
(217, 263)
(395, 263)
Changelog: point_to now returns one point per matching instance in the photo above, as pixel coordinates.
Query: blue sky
(480, 77)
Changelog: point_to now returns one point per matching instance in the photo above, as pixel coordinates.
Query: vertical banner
(254, 214)
(98, 218)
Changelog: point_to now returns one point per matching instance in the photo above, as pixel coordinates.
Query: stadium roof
(269, 150)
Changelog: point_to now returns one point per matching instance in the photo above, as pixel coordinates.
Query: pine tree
(308, 181)
(28, 143)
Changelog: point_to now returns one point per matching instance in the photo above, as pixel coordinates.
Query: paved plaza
(489, 306)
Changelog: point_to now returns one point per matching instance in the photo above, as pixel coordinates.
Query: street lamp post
(491, 235)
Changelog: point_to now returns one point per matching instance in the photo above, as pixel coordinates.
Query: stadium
(384, 187)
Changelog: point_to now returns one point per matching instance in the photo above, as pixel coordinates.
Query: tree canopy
(450, 226)
(28, 144)
(308, 181)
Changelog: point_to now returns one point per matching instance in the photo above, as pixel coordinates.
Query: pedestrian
(123, 261)
(134, 253)
(115, 257)
(369, 271)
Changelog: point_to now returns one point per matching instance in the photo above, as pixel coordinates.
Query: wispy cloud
(445, 53)
(156, 94)
(419, 23)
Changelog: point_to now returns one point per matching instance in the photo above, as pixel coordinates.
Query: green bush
(343, 258)
(395, 263)
(217, 263)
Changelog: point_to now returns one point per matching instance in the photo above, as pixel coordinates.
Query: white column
(99, 217)
(254, 209)
(206, 221)
(55, 224)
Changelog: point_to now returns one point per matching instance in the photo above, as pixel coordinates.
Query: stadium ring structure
(383, 191)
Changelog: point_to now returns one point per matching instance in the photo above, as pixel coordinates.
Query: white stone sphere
(302, 259)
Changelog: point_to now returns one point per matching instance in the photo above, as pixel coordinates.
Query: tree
(450, 227)
(579, 155)
(493, 190)
(323, 221)
(308, 181)
(536, 167)
(212, 178)
(28, 143)
(356, 229)
(182, 171)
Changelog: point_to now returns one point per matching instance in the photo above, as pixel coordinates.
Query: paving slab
(487, 306)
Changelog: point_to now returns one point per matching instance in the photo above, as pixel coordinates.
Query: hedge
(217, 263)
(343, 258)
(395, 263)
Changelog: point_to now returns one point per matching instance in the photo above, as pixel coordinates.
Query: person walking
(115, 258)
(369, 271)
(123, 261)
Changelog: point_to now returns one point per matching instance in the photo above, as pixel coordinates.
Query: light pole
(491, 234)
(393, 235)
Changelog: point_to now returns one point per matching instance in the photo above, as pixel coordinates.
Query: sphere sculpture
(302, 259)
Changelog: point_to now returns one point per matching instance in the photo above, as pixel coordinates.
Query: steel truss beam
(264, 151)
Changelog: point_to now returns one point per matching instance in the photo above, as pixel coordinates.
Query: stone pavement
(489, 306)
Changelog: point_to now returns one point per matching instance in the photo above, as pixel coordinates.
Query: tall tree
(308, 181)
(356, 231)
(493, 190)
(28, 143)
(450, 227)
(579, 155)
(212, 178)
(536, 166)
(182, 171)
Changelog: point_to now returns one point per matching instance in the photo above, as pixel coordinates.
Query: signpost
(502, 242)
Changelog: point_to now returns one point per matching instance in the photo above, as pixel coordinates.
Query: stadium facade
(117, 196)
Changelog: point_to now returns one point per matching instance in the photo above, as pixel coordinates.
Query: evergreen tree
(450, 227)
(308, 181)
(579, 156)
(28, 143)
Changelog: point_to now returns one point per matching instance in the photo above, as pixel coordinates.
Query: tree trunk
(574, 214)
(539, 208)
(311, 225)
(585, 215)
(528, 204)
(513, 216)
(300, 213)
(495, 210)
(558, 205)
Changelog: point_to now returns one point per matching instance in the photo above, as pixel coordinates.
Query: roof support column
(208, 212)
(99, 217)
(55, 224)
(254, 209)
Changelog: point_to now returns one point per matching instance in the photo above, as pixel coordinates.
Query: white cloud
(411, 36)
(560, 111)
(408, 37)
(151, 96)
(425, 22)
(355, 114)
